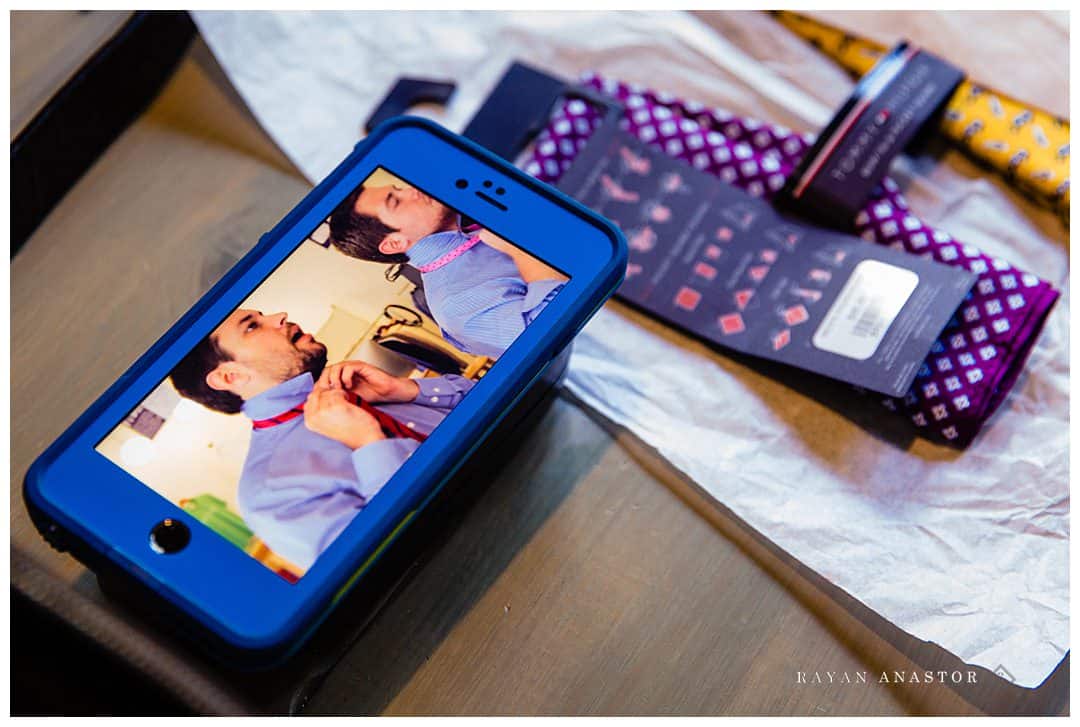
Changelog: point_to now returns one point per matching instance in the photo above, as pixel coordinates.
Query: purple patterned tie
(974, 362)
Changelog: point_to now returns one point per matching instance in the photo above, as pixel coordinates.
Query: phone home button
(169, 536)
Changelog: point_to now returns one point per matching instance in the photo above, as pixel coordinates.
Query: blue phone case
(82, 502)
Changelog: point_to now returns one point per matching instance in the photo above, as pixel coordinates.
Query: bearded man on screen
(324, 440)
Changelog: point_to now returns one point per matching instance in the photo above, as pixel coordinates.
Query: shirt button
(434, 399)
(436, 389)
(411, 425)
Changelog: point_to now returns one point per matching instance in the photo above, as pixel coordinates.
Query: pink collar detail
(451, 256)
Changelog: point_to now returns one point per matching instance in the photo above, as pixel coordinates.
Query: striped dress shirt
(478, 298)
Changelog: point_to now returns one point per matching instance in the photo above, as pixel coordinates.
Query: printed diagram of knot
(652, 210)
(657, 212)
(642, 239)
(615, 191)
(672, 183)
(741, 215)
(785, 236)
(634, 163)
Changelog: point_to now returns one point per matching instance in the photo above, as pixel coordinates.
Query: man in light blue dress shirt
(481, 290)
(315, 458)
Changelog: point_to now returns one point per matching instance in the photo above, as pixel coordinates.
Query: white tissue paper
(968, 549)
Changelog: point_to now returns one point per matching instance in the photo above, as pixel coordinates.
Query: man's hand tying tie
(370, 383)
(329, 412)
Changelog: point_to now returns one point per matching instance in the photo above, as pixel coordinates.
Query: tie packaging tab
(891, 105)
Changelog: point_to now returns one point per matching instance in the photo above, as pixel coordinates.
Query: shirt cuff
(538, 294)
(377, 462)
(441, 392)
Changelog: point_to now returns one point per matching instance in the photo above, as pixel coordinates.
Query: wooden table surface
(50, 48)
(590, 578)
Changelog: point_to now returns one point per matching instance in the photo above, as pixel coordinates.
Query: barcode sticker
(867, 305)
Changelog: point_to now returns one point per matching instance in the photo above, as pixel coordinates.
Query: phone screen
(278, 429)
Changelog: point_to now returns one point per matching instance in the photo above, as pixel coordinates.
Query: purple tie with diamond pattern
(976, 359)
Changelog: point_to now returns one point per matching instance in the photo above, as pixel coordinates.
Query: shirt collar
(281, 398)
(429, 249)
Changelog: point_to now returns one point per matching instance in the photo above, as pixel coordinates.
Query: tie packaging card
(728, 267)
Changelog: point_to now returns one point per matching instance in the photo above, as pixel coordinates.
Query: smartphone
(248, 468)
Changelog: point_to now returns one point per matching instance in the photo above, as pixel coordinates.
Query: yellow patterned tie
(1029, 146)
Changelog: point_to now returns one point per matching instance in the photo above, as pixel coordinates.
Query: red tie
(391, 427)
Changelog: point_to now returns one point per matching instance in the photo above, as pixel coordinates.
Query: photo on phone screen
(277, 429)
